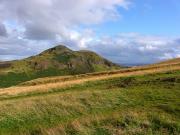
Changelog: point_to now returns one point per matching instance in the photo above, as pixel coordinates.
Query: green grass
(144, 105)
(11, 78)
(15, 78)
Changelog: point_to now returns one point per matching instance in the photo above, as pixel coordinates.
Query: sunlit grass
(146, 104)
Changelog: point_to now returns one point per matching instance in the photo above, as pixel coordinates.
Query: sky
(129, 32)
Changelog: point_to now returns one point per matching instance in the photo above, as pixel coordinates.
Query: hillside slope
(171, 61)
(63, 59)
(56, 61)
(47, 83)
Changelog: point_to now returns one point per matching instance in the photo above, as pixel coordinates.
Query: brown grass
(67, 78)
(44, 85)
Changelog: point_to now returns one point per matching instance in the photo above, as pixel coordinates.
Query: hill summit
(74, 62)
(61, 60)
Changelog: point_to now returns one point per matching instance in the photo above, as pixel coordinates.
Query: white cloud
(3, 31)
(44, 19)
(32, 26)
(122, 48)
(137, 49)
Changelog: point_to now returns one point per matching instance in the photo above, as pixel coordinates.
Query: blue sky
(124, 31)
(156, 17)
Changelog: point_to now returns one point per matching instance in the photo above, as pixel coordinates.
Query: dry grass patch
(14, 91)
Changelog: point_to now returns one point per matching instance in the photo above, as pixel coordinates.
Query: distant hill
(62, 59)
(175, 60)
(59, 60)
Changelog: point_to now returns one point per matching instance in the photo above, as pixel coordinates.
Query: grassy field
(132, 104)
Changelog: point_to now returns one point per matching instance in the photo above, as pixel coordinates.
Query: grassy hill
(171, 61)
(140, 100)
(56, 61)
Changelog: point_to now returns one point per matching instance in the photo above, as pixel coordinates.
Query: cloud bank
(29, 27)
(3, 31)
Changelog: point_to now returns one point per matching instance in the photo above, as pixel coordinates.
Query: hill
(171, 61)
(59, 60)
(63, 59)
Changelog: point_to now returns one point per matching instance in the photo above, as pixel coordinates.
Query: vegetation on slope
(53, 62)
(147, 104)
(170, 61)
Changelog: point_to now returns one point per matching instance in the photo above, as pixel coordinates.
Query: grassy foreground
(147, 104)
